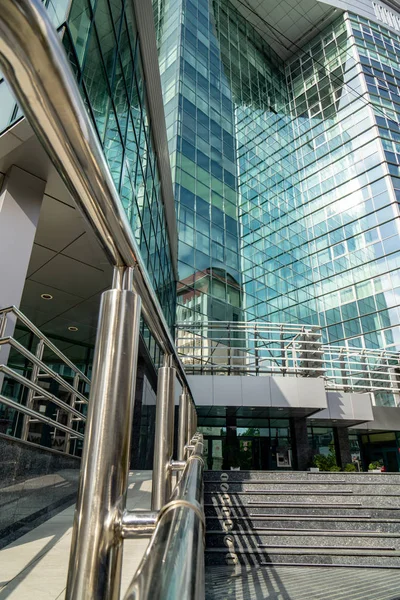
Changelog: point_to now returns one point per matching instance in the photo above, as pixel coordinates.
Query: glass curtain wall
(347, 196)
(102, 42)
(303, 154)
(277, 271)
(347, 182)
(200, 127)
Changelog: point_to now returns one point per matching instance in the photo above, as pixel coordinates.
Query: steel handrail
(42, 366)
(32, 328)
(38, 72)
(173, 565)
(46, 395)
(39, 416)
(199, 331)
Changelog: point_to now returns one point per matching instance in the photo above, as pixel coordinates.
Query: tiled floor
(34, 567)
(32, 499)
(301, 583)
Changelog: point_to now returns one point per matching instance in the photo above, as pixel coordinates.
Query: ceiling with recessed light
(66, 262)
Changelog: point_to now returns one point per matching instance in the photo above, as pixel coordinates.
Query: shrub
(322, 462)
(325, 461)
(350, 467)
(376, 464)
(335, 468)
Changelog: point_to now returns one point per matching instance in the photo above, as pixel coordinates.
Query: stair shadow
(250, 541)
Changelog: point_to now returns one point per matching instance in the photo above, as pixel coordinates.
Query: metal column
(31, 393)
(191, 424)
(67, 441)
(164, 436)
(184, 401)
(96, 552)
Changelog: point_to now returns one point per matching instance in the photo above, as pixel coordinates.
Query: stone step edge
(288, 517)
(300, 493)
(301, 532)
(297, 473)
(294, 482)
(292, 492)
(285, 517)
(324, 565)
(303, 504)
(305, 550)
(300, 547)
(357, 505)
(282, 482)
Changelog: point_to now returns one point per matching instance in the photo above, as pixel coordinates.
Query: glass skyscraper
(286, 171)
(200, 119)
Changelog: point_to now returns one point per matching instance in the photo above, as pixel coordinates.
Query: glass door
(214, 452)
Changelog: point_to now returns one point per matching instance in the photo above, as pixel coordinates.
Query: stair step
(275, 482)
(275, 523)
(280, 511)
(225, 507)
(288, 492)
(240, 493)
(305, 504)
(300, 476)
(389, 501)
(334, 565)
(302, 550)
(298, 558)
(250, 540)
(317, 548)
(238, 489)
(257, 516)
(301, 532)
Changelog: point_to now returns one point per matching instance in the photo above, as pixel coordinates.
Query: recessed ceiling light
(46, 297)
(280, 408)
(72, 328)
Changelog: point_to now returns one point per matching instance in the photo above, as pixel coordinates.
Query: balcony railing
(26, 396)
(230, 348)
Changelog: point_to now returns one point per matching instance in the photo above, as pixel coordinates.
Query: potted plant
(375, 466)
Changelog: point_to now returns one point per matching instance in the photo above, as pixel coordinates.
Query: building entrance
(389, 458)
(381, 446)
(233, 450)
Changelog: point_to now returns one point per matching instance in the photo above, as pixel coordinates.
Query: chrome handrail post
(192, 421)
(96, 549)
(164, 436)
(31, 393)
(190, 424)
(173, 565)
(67, 441)
(182, 424)
(194, 418)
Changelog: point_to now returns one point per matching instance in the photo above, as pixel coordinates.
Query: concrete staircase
(299, 518)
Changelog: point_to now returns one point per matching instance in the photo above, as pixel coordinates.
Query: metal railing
(229, 348)
(37, 69)
(177, 542)
(68, 414)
